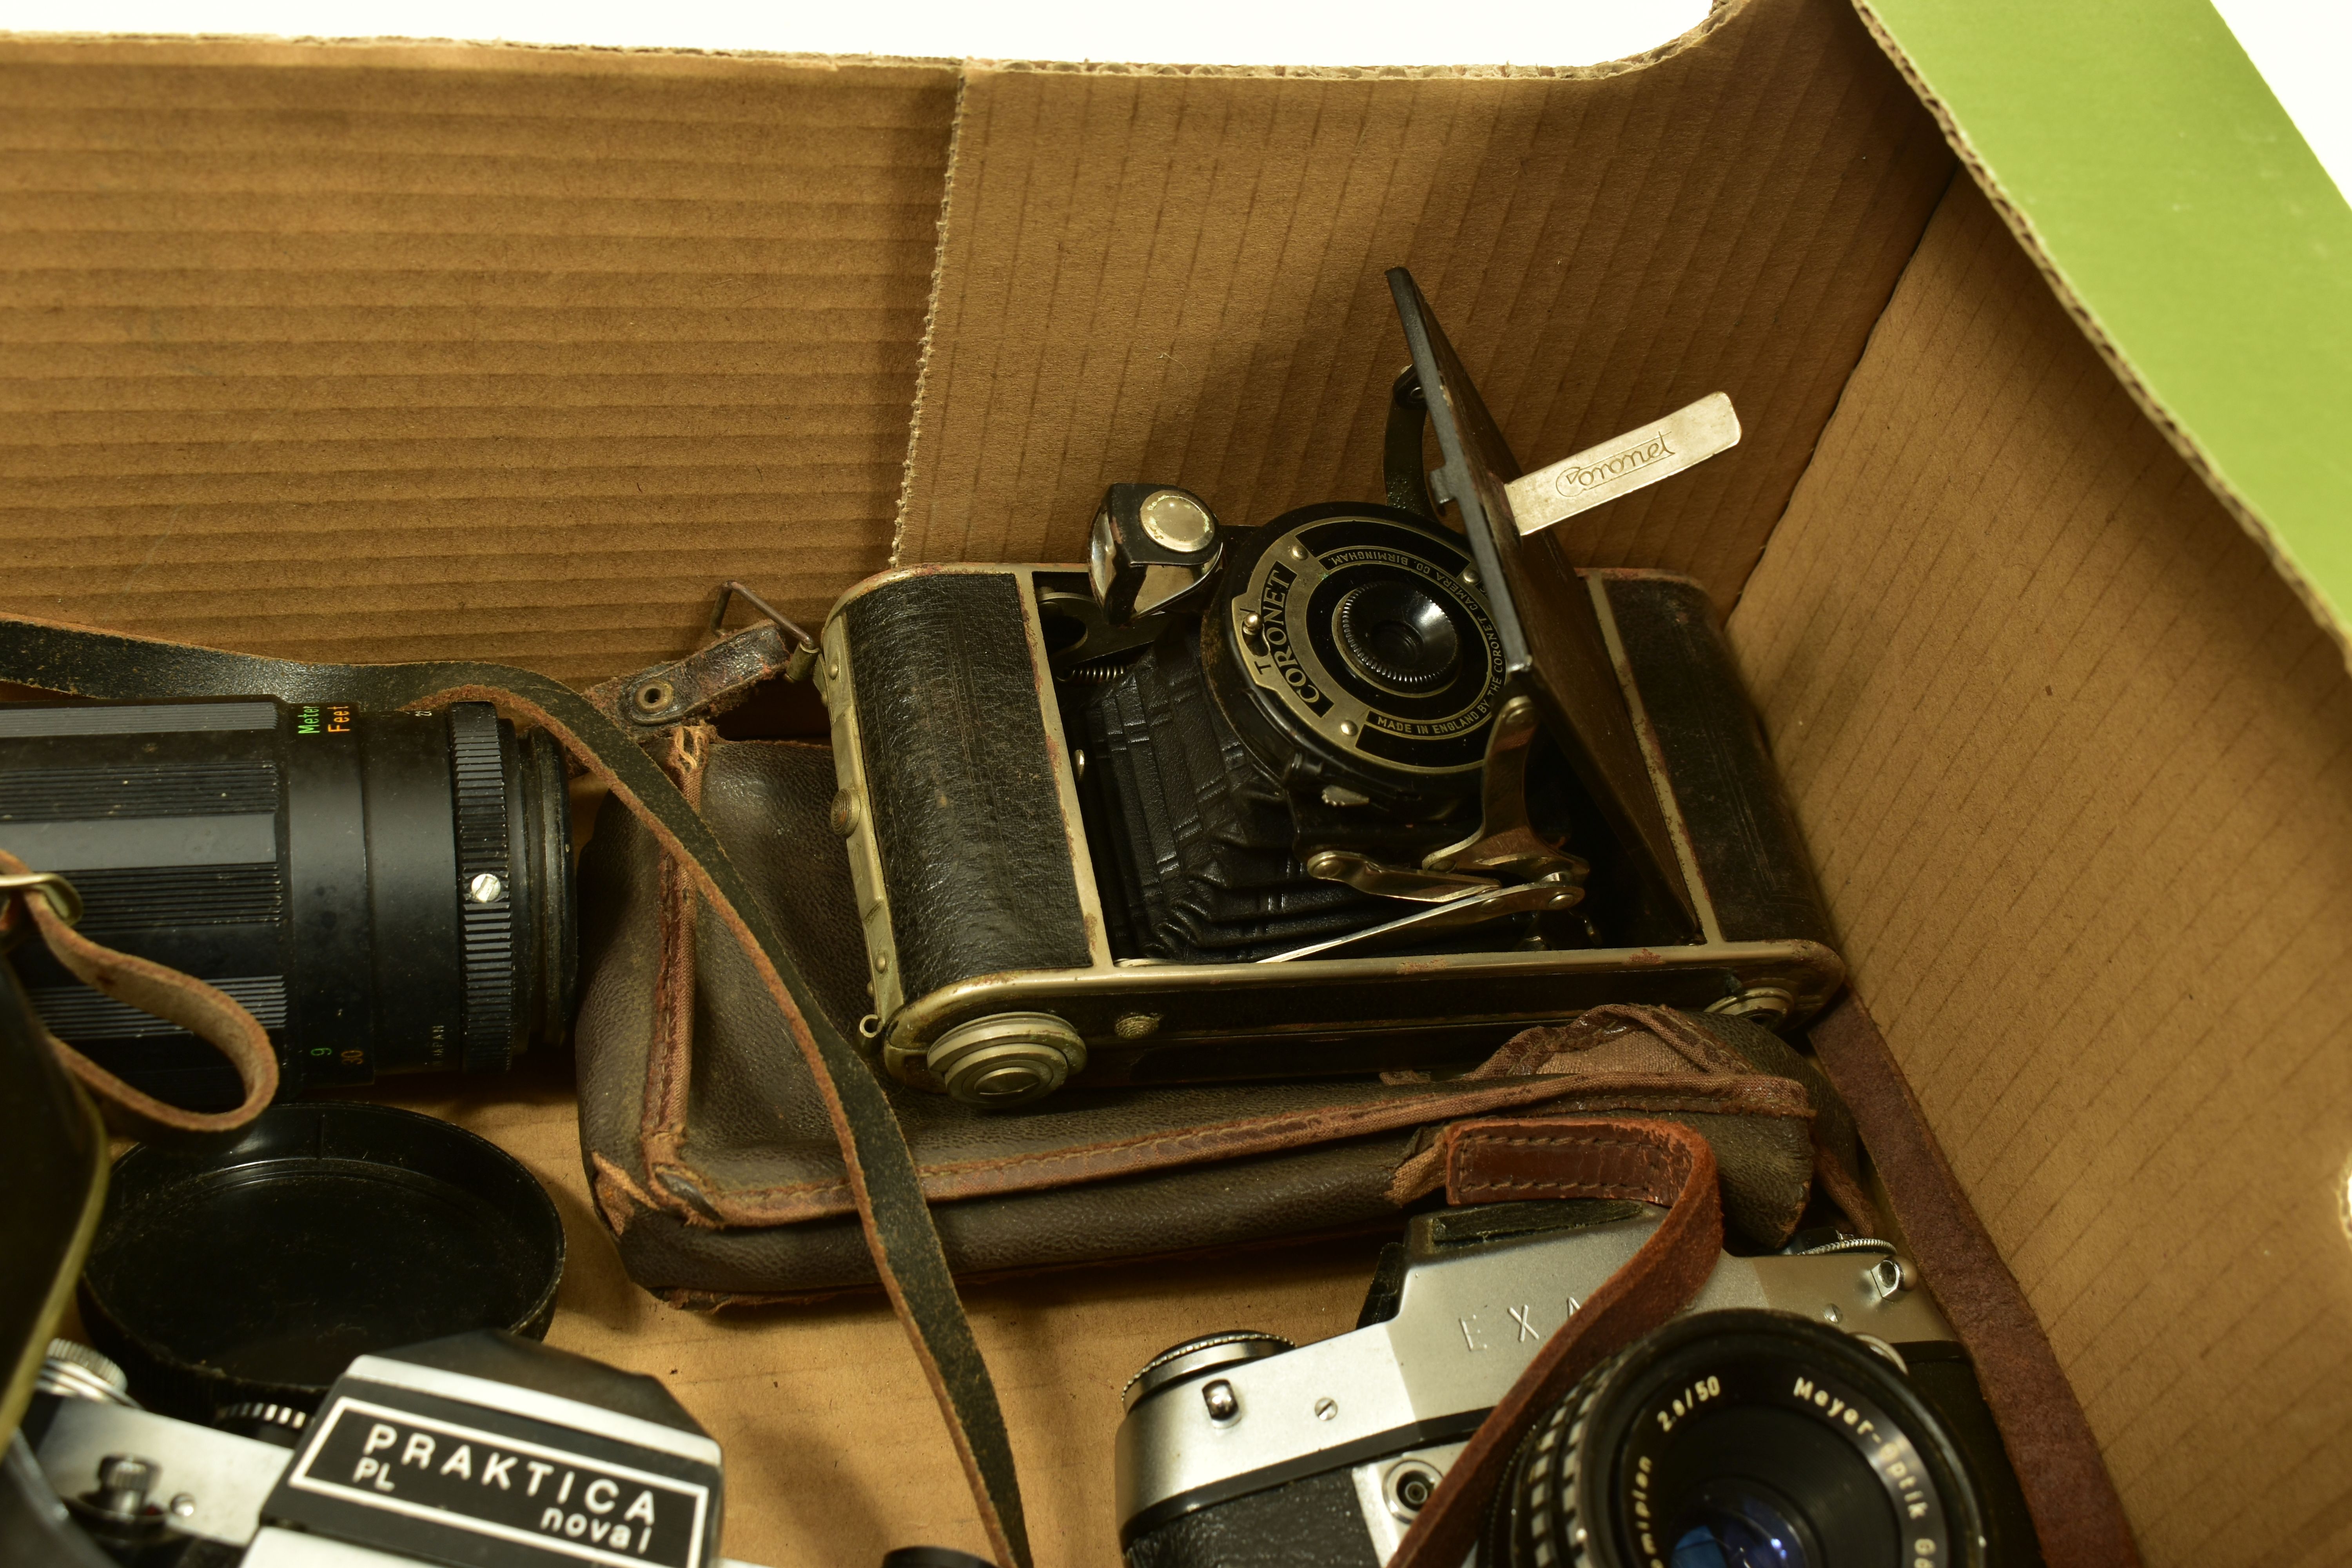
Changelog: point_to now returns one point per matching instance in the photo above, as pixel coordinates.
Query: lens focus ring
(485, 885)
(1537, 1519)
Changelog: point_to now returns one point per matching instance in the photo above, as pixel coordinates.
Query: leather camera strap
(1501, 1160)
(208, 1013)
(882, 1178)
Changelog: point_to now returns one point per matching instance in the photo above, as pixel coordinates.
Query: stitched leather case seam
(669, 1064)
(799, 1202)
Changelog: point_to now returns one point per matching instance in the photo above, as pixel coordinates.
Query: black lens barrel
(385, 891)
(1746, 1438)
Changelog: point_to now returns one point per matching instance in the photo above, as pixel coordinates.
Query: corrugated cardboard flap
(2142, 163)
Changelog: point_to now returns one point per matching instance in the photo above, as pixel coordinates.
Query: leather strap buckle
(64, 900)
(714, 678)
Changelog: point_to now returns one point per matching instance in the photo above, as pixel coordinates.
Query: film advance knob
(1177, 521)
(1007, 1059)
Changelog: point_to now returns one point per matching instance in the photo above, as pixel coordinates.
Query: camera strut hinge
(1503, 869)
(1505, 849)
(1506, 844)
(715, 678)
(1401, 449)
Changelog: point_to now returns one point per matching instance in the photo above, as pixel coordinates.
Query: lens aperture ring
(1541, 1523)
(485, 885)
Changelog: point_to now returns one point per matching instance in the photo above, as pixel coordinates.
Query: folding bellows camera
(1349, 792)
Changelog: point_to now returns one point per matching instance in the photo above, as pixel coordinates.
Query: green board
(2180, 206)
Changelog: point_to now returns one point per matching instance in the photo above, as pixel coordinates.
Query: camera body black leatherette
(971, 850)
(1313, 1523)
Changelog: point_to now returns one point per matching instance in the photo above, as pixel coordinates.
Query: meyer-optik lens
(1738, 1439)
(384, 891)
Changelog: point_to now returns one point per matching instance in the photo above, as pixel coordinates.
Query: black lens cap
(253, 1270)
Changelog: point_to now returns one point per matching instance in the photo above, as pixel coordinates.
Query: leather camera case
(713, 1164)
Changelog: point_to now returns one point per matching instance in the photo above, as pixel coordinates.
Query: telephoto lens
(1740, 1439)
(384, 892)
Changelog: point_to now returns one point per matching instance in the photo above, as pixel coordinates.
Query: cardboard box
(2033, 551)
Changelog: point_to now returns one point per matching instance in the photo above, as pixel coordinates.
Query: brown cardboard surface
(372, 351)
(381, 351)
(1165, 276)
(2076, 768)
(834, 1448)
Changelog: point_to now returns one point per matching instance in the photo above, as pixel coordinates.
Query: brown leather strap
(1494, 1161)
(2076, 1514)
(209, 1014)
(882, 1176)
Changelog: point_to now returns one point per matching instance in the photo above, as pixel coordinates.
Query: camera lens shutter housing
(1353, 646)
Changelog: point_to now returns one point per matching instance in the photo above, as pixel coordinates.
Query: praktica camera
(481, 1447)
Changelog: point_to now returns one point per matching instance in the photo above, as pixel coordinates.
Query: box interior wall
(393, 352)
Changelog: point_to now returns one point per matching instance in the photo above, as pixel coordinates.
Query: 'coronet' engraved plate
(1623, 465)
